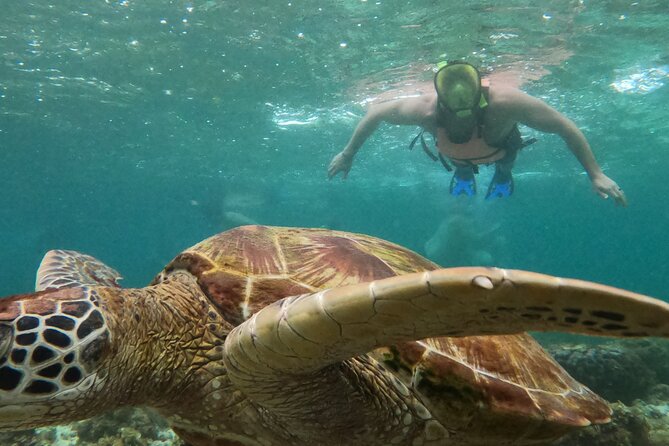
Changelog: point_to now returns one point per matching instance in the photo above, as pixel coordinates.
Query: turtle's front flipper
(65, 269)
(300, 335)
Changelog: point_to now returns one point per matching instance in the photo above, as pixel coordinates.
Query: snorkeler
(475, 122)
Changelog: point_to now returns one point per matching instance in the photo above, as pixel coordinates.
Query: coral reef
(125, 427)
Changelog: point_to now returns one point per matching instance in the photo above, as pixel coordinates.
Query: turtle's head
(52, 344)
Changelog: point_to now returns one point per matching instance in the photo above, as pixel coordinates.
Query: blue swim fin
(500, 186)
(463, 182)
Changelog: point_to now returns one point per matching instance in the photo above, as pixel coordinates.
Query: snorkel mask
(458, 86)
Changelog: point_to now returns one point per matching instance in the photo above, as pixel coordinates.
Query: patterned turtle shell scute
(246, 268)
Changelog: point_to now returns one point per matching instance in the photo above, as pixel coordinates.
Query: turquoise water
(128, 129)
(131, 130)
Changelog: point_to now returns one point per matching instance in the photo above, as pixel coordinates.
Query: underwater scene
(133, 130)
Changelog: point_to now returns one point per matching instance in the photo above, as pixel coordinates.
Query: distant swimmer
(475, 122)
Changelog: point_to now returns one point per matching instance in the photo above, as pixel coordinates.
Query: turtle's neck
(167, 342)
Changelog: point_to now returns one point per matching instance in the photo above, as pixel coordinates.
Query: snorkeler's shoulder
(500, 94)
(507, 98)
(418, 101)
(418, 107)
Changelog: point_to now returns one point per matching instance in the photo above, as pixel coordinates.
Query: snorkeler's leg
(463, 181)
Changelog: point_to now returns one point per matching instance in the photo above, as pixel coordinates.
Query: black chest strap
(429, 152)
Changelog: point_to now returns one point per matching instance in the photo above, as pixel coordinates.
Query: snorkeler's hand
(606, 187)
(342, 162)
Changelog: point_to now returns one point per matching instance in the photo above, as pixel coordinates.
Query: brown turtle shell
(482, 383)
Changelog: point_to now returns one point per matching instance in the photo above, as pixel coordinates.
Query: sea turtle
(285, 336)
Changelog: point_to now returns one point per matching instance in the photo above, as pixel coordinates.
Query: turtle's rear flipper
(65, 269)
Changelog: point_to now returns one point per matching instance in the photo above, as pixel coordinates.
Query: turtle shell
(244, 269)
(487, 384)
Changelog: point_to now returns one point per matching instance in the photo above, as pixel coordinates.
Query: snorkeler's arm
(409, 111)
(537, 114)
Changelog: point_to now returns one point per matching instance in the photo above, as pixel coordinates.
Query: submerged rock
(615, 371)
(635, 375)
